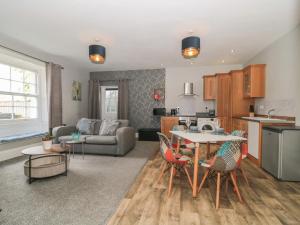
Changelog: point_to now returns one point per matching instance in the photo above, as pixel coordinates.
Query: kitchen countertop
(265, 120)
(279, 129)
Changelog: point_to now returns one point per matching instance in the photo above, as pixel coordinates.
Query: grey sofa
(117, 145)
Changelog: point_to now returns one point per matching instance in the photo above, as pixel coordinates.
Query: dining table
(201, 138)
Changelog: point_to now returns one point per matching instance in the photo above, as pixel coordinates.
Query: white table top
(206, 137)
(39, 150)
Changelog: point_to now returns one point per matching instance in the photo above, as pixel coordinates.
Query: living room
(149, 112)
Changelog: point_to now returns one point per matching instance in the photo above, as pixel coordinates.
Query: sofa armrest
(62, 131)
(126, 139)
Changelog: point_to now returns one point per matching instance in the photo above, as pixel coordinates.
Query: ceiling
(147, 33)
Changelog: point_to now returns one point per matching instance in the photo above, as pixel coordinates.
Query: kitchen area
(230, 99)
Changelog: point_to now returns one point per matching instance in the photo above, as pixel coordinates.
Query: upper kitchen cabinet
(209, 87)
(254, 81)
(240, 105)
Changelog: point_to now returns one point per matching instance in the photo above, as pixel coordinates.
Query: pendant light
(190, 47)
(97, 54)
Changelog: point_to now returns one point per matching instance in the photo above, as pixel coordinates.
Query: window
(18, 93)
(111, 100)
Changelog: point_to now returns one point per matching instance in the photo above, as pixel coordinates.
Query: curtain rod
(27, 55)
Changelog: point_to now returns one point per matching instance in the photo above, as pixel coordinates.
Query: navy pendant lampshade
(190, 47)
(97, 54)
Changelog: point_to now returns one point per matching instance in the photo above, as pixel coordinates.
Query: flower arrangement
(47, 137)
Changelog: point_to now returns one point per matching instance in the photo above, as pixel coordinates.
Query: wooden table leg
(207, 150)
(196, 165)
(178, 145)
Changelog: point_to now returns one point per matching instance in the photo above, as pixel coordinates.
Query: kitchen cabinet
(254, 140)
(209, 87)
(254, 81)
(240, 105)
(167, 123)
(223, 100)
(239, 124)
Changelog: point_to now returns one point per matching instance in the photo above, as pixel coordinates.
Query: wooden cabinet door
(240, 105)
(209, 87)
(223, 95)
(254, 81)
(167, 124)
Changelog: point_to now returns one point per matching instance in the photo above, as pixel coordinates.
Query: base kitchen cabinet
(167, 123)
(254, 142)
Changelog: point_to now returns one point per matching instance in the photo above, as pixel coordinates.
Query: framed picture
(159, 94)
(76, 91)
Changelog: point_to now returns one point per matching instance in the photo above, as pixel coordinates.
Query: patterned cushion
(109, 127)
(85, 126)
(97, 126)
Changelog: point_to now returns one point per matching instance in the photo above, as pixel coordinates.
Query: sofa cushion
(124, 123)
(101, 140)
(69, 138)
(85, 126)
(109, 127)
(97, 126)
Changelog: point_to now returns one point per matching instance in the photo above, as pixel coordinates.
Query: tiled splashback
(283, 107)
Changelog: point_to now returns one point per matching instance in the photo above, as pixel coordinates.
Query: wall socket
(261, 107)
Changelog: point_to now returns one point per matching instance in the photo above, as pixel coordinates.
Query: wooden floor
(266, 201)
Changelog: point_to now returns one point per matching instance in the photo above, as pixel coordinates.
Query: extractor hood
(188, 89)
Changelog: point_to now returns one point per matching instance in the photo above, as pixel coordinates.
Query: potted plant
(47, 141)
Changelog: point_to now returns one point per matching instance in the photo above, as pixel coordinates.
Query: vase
(47, 144)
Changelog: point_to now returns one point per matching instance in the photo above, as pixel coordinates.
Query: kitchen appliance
(159, 111)
(173, 112)
(281, 152)
(207, 124)
(183, 120)
(210, 114)
(188, 89)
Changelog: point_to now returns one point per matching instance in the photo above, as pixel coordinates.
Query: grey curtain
(94, 100)
(54, 94)
(123, 99)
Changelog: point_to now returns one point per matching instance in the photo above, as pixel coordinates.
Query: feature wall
(141, 88)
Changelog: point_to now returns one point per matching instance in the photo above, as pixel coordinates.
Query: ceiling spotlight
(190, 47)
(97, 54)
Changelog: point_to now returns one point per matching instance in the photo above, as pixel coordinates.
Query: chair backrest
(229, 155)
(166, 149)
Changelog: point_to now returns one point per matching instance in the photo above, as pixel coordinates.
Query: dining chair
(244, 153)
(174, 161)
(225, 162)
(186, 147)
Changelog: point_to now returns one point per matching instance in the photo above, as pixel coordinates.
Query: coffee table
(45, 163)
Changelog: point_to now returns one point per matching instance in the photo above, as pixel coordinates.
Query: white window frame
(10, 127)
(105, 114)
(37, 95)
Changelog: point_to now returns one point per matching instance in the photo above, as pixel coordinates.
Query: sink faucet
(269, 113)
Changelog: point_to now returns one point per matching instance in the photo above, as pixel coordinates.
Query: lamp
(190, 47)
(97, 54)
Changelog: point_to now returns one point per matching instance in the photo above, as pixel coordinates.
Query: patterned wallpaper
(141, 87)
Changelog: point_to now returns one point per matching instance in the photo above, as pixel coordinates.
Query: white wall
(282, 76)
(72, 110)
(175, 78)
